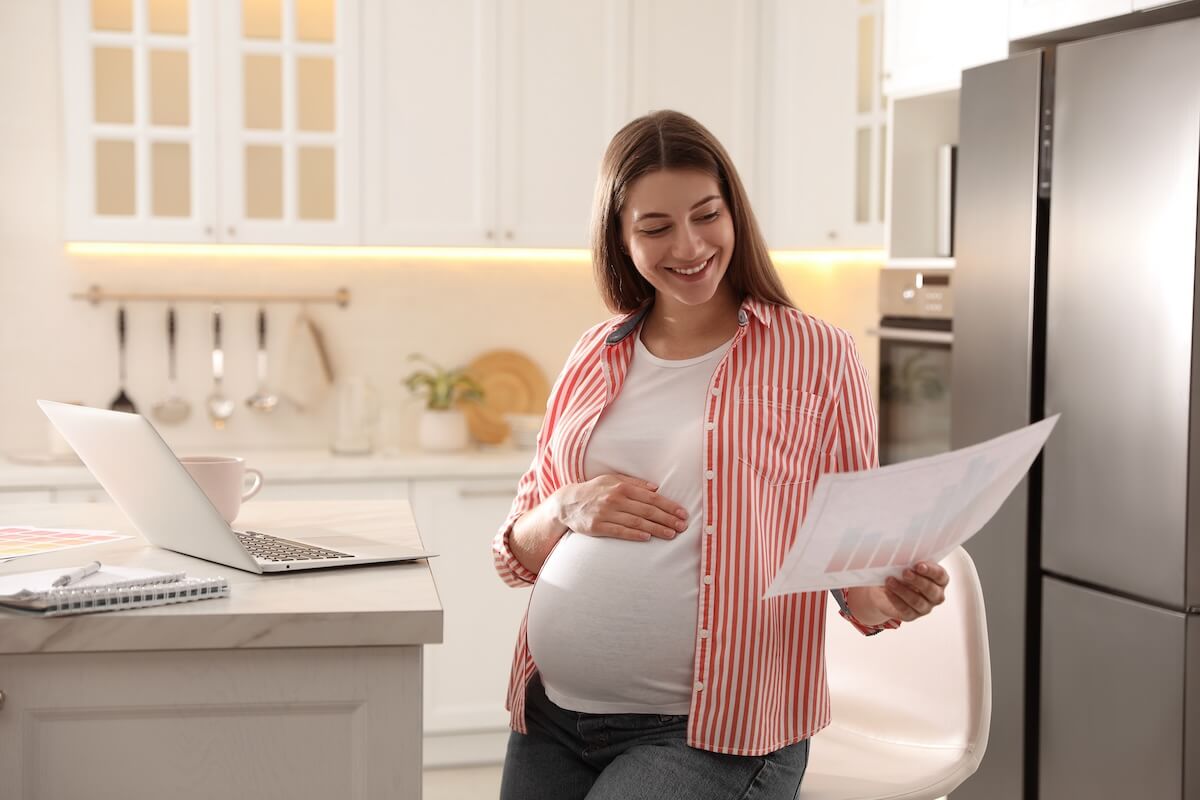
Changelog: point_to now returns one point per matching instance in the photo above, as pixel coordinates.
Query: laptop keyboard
(273, 548)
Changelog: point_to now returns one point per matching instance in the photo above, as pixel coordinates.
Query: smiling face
(678, 231)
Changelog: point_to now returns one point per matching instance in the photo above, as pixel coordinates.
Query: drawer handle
(486, 493)
(1, 701)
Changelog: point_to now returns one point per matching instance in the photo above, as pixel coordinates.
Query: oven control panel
(919, 293)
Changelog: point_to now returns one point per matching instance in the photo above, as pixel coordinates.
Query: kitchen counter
(393, 604)
(297, 685)
(298, 466)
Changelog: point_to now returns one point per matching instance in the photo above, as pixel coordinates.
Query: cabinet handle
(831, 235)
(232, 231)
(508, 234)
(491, 234)
(208, 230)
(466, 493)
(1, 701)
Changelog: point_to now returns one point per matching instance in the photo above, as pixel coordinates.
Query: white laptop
(141, 474)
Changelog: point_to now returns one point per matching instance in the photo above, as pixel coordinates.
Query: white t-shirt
(613, 623)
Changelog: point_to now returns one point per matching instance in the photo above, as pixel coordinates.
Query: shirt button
(708, 426)
(716, 391)
(704, 633)
(708, 474)
(708, 580)
(698, 686)
(709, 530)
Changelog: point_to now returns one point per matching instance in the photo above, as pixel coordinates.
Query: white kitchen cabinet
(139, 128)
(701, 57)
(291, 722)
(165, 103)
(1032, 17)
(11, 496)
(564, 72)
(824, 115)
(288, 143)
(93, 494)
(466, 677)
(928, 43)
(485, 121)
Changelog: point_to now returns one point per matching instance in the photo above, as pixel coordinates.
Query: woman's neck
(676, 330)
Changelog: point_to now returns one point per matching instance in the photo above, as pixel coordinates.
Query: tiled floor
(463, 783)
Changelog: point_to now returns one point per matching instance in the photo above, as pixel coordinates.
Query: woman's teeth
(692, 270)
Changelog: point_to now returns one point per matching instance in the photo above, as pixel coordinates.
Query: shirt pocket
(783, 433)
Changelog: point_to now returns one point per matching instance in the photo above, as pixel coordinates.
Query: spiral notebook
(110, 589)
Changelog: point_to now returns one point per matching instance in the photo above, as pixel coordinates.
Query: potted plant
(442, 426)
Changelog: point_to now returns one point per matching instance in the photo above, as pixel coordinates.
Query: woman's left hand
(921, 587)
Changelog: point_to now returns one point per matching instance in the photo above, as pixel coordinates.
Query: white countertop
(300, 466)
(394, 604)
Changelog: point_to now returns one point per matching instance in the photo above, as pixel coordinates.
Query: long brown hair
(671, 140)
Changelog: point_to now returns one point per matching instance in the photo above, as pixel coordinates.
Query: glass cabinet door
(289, 121)
(139, 135)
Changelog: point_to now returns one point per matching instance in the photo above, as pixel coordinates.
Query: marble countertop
(394, 604)
(299, 466)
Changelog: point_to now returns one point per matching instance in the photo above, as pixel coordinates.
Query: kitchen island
(303, 684)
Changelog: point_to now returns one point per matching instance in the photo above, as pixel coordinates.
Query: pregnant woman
(682, 442)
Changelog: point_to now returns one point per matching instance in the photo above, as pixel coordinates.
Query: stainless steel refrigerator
(1075, 282)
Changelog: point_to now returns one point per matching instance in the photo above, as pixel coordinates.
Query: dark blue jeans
(570, 755)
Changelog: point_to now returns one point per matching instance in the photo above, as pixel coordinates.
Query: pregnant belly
(613, 623)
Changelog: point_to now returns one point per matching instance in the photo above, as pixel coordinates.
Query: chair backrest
(929, 682)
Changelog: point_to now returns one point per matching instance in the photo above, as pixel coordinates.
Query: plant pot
(442, 430)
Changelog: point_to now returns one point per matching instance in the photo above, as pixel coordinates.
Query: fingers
(645, 528)
(918, 590)
(647, 494)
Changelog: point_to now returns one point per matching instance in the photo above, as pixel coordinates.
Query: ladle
(220, 407)
(174, 409)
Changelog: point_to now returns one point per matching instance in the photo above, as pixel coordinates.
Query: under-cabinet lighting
(457, 254)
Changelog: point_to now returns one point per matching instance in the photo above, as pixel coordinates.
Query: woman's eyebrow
(693, 208)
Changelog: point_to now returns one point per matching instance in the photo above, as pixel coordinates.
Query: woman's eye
(710, 217)
(655, 232)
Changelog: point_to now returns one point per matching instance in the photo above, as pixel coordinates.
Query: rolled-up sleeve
(856, 448)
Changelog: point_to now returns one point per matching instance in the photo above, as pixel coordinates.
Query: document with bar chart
(862, 527)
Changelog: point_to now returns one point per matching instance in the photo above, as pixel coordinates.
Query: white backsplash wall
(58, 348)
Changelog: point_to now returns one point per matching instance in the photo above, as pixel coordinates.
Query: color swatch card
(23, 540)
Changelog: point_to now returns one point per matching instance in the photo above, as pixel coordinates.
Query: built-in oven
(915, 334)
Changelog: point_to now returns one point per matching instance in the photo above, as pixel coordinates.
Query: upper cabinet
(1033, 17)
(139, 130)
(164, 101)
(458, 122)
(928, 43)
(288, 121)
(701, 57)
(824, 116)
(486, 121)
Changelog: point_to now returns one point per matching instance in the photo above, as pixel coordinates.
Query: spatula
(122, 402)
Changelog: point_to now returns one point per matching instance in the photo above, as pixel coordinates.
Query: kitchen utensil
(174, 409)
(307, 373)
(262, 400)
(122, 402)
(511, 383)
(220, 407)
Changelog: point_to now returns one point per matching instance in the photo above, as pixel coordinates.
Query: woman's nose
(687, 244)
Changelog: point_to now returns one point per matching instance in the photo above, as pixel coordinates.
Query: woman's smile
(693, 272)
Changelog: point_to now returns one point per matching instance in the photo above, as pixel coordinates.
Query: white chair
(911, 707)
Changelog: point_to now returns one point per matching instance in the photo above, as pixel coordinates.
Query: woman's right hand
(620, 507)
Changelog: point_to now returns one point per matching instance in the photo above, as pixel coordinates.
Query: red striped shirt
(787, 403)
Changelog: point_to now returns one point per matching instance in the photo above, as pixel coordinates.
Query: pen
(76, 575)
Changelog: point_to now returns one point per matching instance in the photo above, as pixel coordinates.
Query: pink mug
(222, 478)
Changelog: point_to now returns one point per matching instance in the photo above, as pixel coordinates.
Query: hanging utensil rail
(95, 295)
